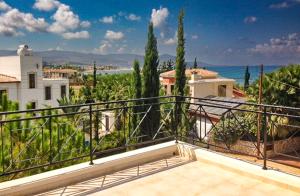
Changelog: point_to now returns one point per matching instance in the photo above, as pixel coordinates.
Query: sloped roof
(226, 102)
(7, 79)
(188, 72)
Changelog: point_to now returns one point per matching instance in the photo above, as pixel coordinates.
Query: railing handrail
(151, 98)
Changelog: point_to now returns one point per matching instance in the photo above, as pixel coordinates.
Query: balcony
(166, 145)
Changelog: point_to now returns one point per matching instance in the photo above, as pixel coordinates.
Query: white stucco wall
(20, 67)
(55, 90)
(12, 90)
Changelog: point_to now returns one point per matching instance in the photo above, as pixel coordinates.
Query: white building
(206, 84)
(21, 77)
(201, 83)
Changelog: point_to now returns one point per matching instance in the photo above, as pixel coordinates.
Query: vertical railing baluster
(58, 142)
(200, 127)
(91, 134)
(265, 137)
(11, 148)
(176, 120)
(2, 148)
(50, 135)
(124, 123)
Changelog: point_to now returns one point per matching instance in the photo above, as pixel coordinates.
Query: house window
(172, 88)
(31, 80)
(63, 91)
(222, 90)
(48, 93)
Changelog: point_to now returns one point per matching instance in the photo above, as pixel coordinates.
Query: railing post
(50, 135)
(91, 134)
(2, 149)
(265, 137)
(176, 120)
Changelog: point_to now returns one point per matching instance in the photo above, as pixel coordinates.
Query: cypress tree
(151, 85)
(180, 61)
(95, 76)
(195, 63)
(137, 84)
(180, 68)
(247, 77)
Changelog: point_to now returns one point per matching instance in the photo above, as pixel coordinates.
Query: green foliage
(247, 78)
(233, 126)
(180, 60)
(195, 66)
(151, 84)
(137, 85)
(281, 87)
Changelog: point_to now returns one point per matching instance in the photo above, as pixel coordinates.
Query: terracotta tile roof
(7, 79)
(201, 72)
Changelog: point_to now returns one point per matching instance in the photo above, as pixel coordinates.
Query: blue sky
(231, 32)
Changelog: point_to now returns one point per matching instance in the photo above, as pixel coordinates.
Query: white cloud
(76, 35)
(107, 19)
(194, 37)
(103, 48)
(112, 35)
(171, 41)
(133, 17)
(4, 6)
(158, 17)
(250, 19)
(46, 5)
(121, 49)
(65, 20)
(13, 21)
(287, 45)
(85, 24)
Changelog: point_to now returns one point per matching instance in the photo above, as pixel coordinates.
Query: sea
(233, 72)
(238, 72)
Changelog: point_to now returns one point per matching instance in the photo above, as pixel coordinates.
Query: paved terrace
(163, 169)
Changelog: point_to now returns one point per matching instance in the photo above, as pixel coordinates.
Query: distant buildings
(22, 78)
(201, 83)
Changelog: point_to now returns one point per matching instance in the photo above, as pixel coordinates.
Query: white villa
(201, 83)
(21, 77)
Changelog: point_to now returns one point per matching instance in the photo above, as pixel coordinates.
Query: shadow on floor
(117, 178)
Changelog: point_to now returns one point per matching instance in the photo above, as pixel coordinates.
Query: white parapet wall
(78, 173)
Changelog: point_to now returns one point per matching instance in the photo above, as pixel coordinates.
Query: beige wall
(10, 66)
(205, 88)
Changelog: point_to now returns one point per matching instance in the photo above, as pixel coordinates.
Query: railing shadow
(120, 177)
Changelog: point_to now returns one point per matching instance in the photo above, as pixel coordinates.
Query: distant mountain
(79, 58)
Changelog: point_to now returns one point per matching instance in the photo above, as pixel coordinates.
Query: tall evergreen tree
(195, 63)
(137, 84)
(180, 68)
(247, 78)
(151, 85)
(180, 61)
(95, 76)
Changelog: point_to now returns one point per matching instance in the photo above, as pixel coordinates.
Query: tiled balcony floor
(173, 176)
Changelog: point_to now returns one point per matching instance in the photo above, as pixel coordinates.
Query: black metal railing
(34, 141)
